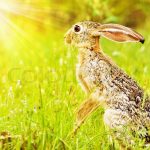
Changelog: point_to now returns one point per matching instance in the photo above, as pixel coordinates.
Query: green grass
(39, 92)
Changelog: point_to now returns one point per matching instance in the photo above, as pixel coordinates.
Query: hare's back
(127, 85)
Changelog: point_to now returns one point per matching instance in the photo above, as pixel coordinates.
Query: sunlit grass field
(39, 93)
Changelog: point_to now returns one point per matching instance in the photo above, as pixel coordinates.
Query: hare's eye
(77, 28)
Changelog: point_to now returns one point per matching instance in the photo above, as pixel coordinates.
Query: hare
(106, 84)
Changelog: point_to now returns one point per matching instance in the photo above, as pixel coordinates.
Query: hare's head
(87, 34)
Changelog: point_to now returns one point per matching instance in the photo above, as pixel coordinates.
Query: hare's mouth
(68, 39)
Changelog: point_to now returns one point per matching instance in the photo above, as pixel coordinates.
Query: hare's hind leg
(84, 111)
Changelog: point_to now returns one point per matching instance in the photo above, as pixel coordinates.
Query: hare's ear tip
(142, 41)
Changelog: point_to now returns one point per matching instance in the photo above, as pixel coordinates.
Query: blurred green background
(38, 89)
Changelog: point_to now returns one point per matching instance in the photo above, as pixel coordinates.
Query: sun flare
(14, 15)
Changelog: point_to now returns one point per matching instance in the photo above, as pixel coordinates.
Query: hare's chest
(90, 74)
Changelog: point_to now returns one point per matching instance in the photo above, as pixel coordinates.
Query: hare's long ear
(118, 33)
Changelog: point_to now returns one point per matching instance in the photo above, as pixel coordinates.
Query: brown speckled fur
(106, 84)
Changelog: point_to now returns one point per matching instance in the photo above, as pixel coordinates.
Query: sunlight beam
(21, 9)
(8, 24)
